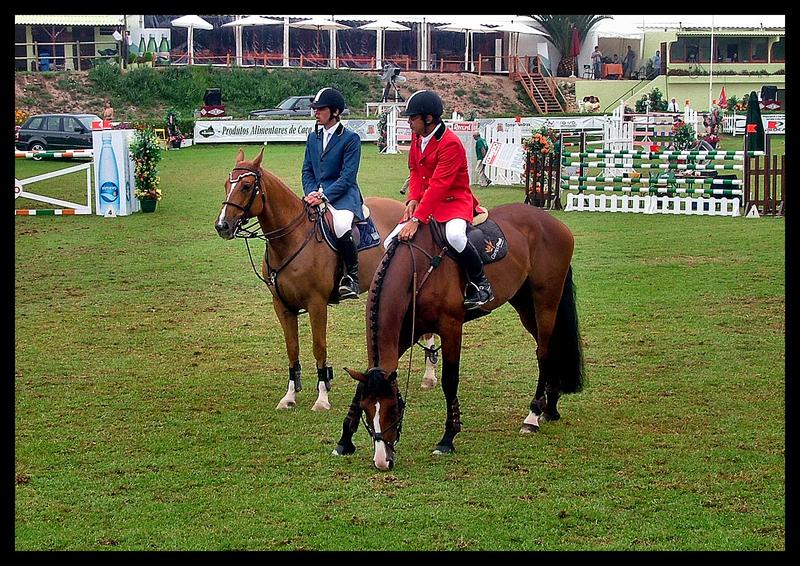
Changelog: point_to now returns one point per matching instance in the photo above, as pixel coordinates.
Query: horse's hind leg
(539, 322)
(451, 357)
(288, 320)
(318, 316)
(431, 357)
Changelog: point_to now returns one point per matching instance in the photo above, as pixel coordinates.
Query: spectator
(615, 59)
(673, 105)
(657, 63)
(456, 114)
(630, 58)
(481, 149)
(597, 61)
(108, 111)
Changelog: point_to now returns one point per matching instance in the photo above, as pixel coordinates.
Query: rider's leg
(479, 290)
(343, 228)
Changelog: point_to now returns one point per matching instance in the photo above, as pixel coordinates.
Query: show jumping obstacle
(71, 208)
(65, 154)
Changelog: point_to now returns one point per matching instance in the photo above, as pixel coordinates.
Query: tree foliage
(560, 34)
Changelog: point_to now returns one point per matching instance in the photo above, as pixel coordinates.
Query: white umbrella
(468, 28)
(383, 25)
(517, 28)
(191, 21)
(238, 25)
(319, 24)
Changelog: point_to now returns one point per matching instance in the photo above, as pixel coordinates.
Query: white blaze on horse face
(227, 197)
(381, 459)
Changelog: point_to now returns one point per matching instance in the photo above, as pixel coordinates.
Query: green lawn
(148, 363)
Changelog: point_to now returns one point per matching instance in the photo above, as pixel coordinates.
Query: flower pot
(148, 205)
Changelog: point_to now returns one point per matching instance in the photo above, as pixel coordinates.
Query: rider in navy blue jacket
(330, 168)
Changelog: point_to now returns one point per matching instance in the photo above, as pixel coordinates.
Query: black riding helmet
(424, 102)
(329, 97)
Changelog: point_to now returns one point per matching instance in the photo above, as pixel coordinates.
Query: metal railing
(44, 56)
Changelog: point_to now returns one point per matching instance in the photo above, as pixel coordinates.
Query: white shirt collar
(427, 138)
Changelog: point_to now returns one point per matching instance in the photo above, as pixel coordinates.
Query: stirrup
(348, 289)
(475, 301)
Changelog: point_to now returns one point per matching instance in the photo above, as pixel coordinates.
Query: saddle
(484, 234)
(365, 233)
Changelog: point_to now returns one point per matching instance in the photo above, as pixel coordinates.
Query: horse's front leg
(318, 315)
(345, 445)
(451, 357)
(288, 320)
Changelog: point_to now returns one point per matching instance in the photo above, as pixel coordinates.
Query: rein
(435, 261)
(253, 229)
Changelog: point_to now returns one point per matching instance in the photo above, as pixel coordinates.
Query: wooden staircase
(539, 89)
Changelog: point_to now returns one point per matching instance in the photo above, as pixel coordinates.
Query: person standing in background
(108, 111)
(630, 58)
(597, 61)
(481, 149)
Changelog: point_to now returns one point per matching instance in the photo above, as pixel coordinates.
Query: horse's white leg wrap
(530, 424)
(322, 403)
(289, 400)
(429, 379)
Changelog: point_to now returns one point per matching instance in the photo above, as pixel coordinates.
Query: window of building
(778, 54)
(759, 49)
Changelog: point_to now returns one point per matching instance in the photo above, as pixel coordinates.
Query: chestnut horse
(410, 295)
(299, 268)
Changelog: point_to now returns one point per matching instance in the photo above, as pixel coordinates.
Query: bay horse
(418, 289)
(299, 268)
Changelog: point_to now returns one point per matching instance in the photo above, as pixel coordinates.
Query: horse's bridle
(398, 424)
(257, 190)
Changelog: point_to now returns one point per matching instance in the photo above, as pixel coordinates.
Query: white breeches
(342, 220)
(455, 231)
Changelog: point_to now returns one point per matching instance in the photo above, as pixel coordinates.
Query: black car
(56, 132)
(299, 106)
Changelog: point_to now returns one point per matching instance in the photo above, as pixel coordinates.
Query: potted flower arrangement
(146, 153)
(542, 143)
(683, 134)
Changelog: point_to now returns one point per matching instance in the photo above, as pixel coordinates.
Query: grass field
(148, 363)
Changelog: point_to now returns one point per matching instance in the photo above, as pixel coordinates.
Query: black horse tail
(565, 352)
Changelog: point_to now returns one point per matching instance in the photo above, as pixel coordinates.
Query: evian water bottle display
(114, 179)
(108, 177)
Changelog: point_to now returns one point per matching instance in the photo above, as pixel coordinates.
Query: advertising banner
(114, 177)
(773, 124)
(240, 131)
(506, 156)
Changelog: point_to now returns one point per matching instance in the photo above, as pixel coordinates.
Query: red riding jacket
(440, 178)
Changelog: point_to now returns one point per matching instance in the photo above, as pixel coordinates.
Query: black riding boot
(348, 286)
(479, 290)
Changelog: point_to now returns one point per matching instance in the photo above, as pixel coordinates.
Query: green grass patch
(148, 362)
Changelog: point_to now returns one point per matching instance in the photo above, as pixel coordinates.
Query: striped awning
(68, 20)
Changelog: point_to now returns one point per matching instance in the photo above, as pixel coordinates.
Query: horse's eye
(244, 188)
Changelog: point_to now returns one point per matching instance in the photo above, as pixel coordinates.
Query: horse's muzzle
(225, 230)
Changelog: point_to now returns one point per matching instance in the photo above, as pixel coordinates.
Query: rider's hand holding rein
(408, 231)
(314, 198)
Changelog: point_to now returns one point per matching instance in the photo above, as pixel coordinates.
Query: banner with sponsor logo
(773, 124)
(240, 131)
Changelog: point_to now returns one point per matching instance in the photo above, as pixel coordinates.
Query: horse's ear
(257, 160)
(357, 375)
(240, 156)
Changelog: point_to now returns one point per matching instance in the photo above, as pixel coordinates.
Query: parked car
(56, 131)
(299, 106)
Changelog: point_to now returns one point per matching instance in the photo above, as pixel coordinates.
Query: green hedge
(243, 90)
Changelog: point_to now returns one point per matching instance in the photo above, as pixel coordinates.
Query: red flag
(723, 100)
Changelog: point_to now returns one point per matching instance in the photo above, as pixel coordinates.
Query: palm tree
(560, 34)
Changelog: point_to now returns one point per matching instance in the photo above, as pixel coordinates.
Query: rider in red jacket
(439, 189)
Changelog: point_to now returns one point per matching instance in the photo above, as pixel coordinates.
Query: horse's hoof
(321, 406)
(443, 449)
(551, 416)
(285, 404)
(342, 450)
(428, 383)
(528, 428)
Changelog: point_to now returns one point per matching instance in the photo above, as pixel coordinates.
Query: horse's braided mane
(376, 294)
